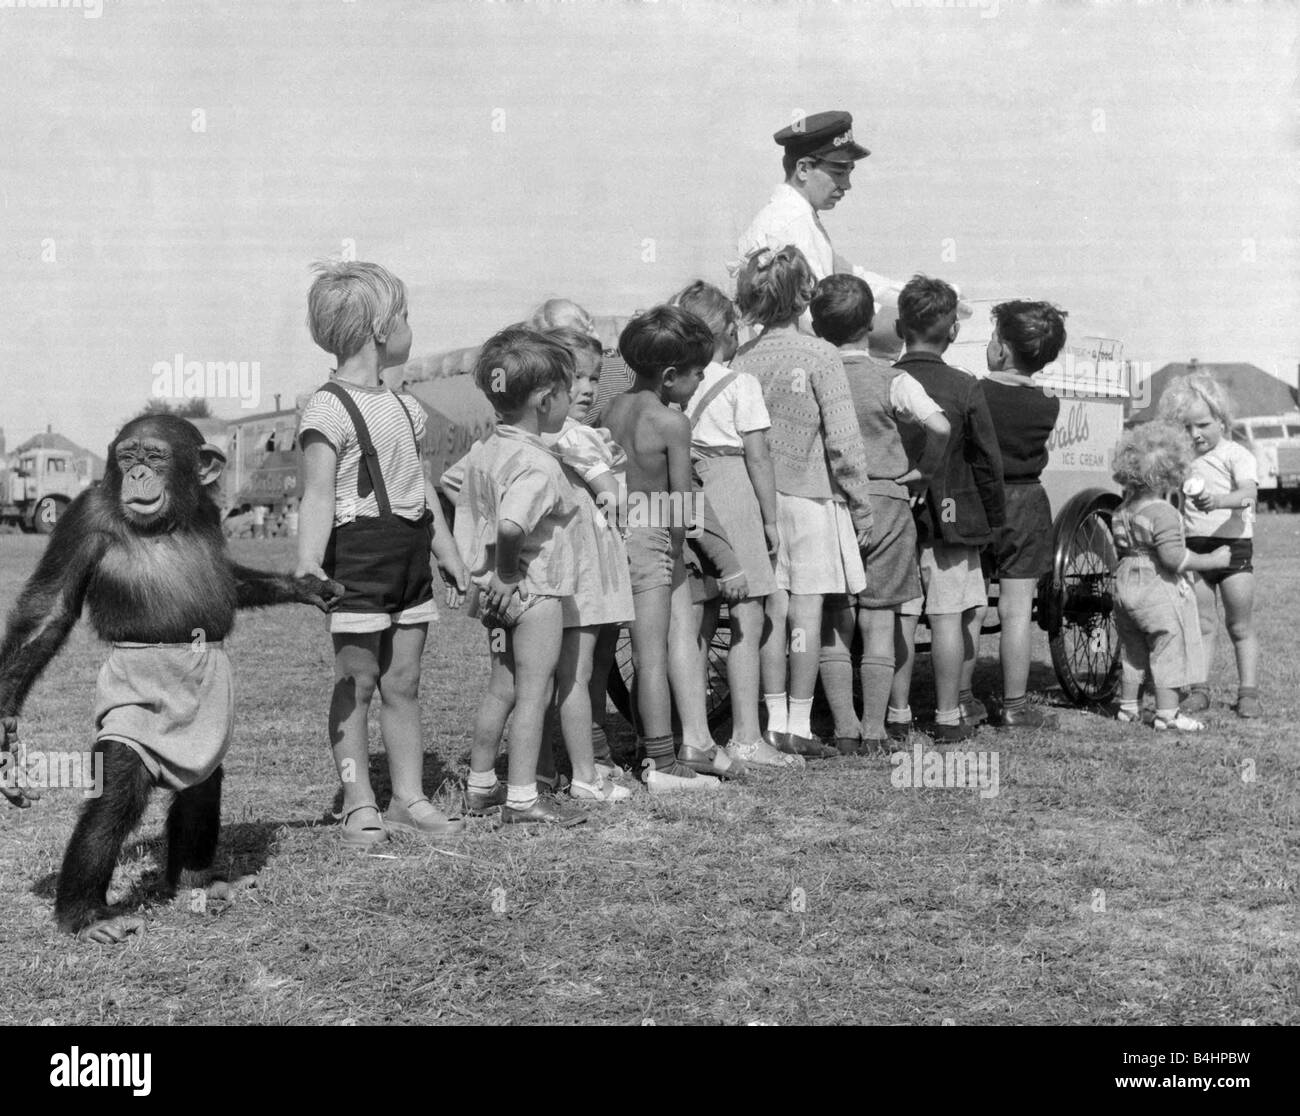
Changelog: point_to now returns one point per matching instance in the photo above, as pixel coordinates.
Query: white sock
(520, 798)
(1167, 714)
(777, 714)
(898, 716)
(947, 716)
(482, 780)
(800, 717)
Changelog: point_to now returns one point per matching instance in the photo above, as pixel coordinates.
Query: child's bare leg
(686, 667)
(836, 666)
(878, 668)
(805, 623)
(356, 676)
(573, 679)
(772, 660)
(400, 650)
(650, 660)
(1207, 610)
(602, 662)
(743, 667)
(949, 639)
(535, 643)
(1238, 615)
(900, 693)
(1015, 609)
(494, 707)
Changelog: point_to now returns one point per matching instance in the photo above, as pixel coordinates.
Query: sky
(172, 169)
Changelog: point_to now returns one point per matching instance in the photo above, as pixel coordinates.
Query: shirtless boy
(667, 350)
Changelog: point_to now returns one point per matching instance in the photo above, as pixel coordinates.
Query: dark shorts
(383, 563)
(893, 576)
(1023, 548)
(1243, 556)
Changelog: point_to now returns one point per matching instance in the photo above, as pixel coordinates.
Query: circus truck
(261, 467)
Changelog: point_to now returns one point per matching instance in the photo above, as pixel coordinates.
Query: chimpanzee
(145, 551)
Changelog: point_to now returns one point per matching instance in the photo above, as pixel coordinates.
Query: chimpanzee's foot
(112, 931)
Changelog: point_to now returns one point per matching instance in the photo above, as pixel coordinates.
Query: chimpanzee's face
(145, 462)
(157, 467)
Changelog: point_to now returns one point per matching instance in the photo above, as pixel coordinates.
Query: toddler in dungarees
(370, 519)
(1155, 609)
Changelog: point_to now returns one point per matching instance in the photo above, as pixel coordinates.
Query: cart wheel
(717, 698)
(1075, 600)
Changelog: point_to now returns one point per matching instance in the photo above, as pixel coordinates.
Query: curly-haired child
(1155, 609)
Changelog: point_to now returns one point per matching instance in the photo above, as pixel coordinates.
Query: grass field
(1119, 876)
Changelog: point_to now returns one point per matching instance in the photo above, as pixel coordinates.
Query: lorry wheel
(46, 515)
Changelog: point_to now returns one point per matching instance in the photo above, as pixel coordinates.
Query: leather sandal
(710, 761)
(363, 836)
(426, 822)
(810, 746)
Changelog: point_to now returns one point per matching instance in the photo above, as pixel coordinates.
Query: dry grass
(827, 898)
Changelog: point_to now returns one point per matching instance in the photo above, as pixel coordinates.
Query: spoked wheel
(1075, 602)
(717, 696)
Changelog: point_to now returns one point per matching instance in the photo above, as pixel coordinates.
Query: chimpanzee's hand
(11, 764)
(321, 592)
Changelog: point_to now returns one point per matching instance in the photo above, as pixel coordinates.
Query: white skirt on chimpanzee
(173, 704)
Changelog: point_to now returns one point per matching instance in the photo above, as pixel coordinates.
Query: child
(522, 521)
(961, 511)
(1027, 336)
(370, 519)
(842, 311)
(1222, 512)
(667, 350)
(1155, 608)
(823, 499)
(602, 601)
(729, 423)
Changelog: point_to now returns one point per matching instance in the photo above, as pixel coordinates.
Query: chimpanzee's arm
(259, 588)
(50, 603)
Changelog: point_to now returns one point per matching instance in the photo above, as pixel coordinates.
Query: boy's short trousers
(1158, 625)
(951, 579)
(1243, 556)
(173, 704)
(890, 561)
(1023, 548)
(650, 558)
(818, 550)
(386, 571)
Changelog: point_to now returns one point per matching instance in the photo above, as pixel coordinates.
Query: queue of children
(820, 492)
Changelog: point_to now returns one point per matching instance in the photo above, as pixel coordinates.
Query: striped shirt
(390, 431)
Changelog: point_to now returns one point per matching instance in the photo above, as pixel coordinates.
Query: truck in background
(37, 486)
(1275, 442)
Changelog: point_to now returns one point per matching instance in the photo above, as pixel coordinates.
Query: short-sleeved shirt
(1226, 467)
(588, 452)
(737, 410)
(513, 476)
(386, 414)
